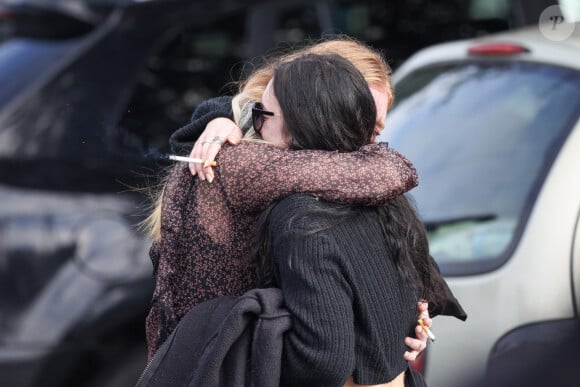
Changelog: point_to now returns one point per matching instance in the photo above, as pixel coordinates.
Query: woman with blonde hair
(204, 234)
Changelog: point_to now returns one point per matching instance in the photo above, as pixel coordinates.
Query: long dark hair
(327, 104)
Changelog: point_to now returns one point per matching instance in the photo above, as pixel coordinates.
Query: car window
(482, 137)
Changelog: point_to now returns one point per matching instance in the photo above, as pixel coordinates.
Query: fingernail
(210, 179)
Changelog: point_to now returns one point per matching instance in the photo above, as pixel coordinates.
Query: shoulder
(295, 208)
(300, 218)
(310, 208)
(295, 203)
(217, 106)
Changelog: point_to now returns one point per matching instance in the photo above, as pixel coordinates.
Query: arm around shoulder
(373, 175)
(319, 350)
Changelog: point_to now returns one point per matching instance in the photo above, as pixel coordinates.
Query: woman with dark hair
(350, 276)
(203, 232)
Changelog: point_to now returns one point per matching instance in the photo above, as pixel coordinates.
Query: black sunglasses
(258, 116)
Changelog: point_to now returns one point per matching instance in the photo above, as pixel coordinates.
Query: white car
(492, 125)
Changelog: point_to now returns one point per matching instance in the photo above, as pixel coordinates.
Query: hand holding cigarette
(427, 330)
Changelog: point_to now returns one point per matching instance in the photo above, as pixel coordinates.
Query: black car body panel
(75, 276)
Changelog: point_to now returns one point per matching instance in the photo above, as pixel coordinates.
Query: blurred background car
(89, 91)
(493, 127)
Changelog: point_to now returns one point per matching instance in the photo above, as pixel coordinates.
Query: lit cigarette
(427, 330)
(189, 160)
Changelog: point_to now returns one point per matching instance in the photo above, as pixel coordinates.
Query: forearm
(257, 175)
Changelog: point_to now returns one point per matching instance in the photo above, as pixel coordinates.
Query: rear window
(482, 137)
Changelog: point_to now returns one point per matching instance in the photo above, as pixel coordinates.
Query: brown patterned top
(208, 229)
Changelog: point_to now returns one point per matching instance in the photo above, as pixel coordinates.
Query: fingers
(423, 309)
(209, 144)
(416, 345)
(235, 136)
(415, 348)
(211, 151)
(196, 153)
(410, 356)
(421, 335)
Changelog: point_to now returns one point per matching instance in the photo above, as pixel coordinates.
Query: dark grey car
(85, 94)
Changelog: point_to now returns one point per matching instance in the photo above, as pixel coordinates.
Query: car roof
(555, 48)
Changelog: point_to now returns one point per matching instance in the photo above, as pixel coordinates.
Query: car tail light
(419, 363)
(497, 49)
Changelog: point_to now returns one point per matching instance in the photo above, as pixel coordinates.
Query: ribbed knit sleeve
(320, 348)
(182, 140)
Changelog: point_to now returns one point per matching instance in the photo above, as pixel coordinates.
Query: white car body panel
(539, 282)
(502, 300)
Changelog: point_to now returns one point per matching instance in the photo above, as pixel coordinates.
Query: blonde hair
(368, 61)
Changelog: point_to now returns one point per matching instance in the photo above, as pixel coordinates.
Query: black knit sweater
(351, 308)
(183, 139)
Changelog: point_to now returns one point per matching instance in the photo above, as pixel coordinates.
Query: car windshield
(482, 137)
